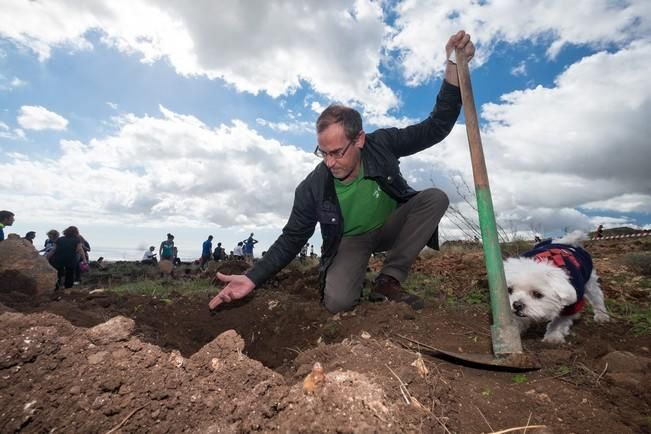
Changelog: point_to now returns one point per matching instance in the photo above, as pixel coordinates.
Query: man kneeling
(362, 203)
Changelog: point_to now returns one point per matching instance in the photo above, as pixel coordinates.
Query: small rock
(75, 390)
(97, 358)
(110, 384)
(215, 364)
(314, 379)
(114, 330)
(623, 362)
(120, 354)
(366, 335)
(176, 359)
(627, 380)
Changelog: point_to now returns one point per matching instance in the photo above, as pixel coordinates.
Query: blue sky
(134, 119)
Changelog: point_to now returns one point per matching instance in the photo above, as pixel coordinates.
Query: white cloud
(519, 70)
(171, 168)
(17, 82)
(274, 46)
(423, 26)
(293, 126)
(336, 47)
(582, 144)
(39, 118)
(640, 203)
(6, 133)
(10, 84)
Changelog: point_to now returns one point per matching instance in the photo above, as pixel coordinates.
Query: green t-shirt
(364, 205)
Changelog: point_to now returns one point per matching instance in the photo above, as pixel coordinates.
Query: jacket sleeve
(415, 138)
(299, 228)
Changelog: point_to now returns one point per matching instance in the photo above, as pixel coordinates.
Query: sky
(132, 119)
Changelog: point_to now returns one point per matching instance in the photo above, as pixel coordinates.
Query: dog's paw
(554, 338)
(601, 317)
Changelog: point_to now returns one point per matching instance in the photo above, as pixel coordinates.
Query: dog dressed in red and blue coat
(551, 283)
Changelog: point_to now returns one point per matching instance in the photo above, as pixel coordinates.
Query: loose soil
(107, 362)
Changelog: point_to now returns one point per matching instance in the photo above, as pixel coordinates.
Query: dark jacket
(315, 200)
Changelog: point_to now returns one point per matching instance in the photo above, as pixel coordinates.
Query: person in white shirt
(149, 257)
(238, 252)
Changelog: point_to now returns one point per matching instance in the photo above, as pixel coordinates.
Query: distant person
(63, 256)
(312, 255)
(238, 252)
(248, 247)
(29, 236)
(206, 251)
(149, 257)
(52, 236)
(362, 203)
(219, 254)
(303, 254)
(175, 256)
(82, 259)
(6, 219)
(600, 232)
(166, 250)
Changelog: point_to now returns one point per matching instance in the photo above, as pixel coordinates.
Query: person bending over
(362, 203)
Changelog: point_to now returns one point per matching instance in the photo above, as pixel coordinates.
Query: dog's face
(537, 290)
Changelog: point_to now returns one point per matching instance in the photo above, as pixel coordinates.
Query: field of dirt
(101, 361)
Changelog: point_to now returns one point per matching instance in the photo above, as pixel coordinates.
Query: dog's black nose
(518, 305)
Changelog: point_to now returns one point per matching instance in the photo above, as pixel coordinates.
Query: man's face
(332, 141)
(8, 221)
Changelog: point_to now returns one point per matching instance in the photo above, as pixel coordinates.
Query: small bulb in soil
(314, 379)
(419, 363)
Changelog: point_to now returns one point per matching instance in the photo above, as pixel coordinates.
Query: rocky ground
(105, 361)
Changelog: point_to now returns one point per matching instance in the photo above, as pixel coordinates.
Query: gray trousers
(403, 236)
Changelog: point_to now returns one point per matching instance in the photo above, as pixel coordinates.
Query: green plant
(423, 285)
(486, 392)
(331, 329)
(476, 296)
(641, 322)
(638, 316)
(519, 378)
(563, 370)
(163, 288)
(645, 282)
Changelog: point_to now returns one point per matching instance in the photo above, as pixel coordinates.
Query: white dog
(550, 284)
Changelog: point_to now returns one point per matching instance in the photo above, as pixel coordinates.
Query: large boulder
(23, 269)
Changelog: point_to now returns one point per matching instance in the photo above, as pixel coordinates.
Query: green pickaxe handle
(504, 333)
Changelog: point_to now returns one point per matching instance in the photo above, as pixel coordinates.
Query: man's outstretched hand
(239, 286)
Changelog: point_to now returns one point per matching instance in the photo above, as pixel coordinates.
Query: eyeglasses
(336, 155)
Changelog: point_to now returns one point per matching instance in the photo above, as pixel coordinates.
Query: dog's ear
(566, 293)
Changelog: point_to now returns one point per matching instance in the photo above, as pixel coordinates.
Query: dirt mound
(88, 362)
(111, 378)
